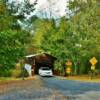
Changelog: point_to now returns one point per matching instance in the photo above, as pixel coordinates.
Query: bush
(19, 71)
(15, 73)
(5, 73)
(59, 67)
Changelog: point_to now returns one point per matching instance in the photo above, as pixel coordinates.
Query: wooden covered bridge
(40, 60)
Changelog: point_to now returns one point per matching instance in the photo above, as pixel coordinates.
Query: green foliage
(60, 67)
(19, 71)
(12, 47)
(12, 41)
(5, 72)
(22, 9)
(76, 38)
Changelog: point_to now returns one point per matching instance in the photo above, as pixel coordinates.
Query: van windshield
(45, 68)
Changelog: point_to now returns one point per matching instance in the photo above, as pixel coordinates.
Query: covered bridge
(40, 60)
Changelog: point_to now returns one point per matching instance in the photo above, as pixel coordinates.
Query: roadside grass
(84, 78)
(8, 79)
(4, 79)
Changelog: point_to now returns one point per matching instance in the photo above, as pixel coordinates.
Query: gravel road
(49, 88)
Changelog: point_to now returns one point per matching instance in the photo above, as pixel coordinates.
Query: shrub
(5, 73)
(15, 73)
(19, 71)
(59, 67)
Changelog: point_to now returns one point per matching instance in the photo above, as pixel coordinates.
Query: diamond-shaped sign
(69, 63)
(93, 61)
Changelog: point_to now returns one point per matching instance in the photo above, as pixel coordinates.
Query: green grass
(84, 79)
(6, 79)
(3, 79)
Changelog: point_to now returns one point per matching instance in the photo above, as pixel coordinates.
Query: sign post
(93, 62)
(68, 68)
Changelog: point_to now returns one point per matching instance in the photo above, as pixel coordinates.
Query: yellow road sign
(68, 70)
(93, 61)
(69, 63)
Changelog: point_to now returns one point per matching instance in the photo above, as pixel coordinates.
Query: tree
(21, 9)
(22, 12)
(85, 23)
(76, 38)
(12, 41)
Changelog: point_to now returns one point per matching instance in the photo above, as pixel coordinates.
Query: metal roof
(32, 55)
